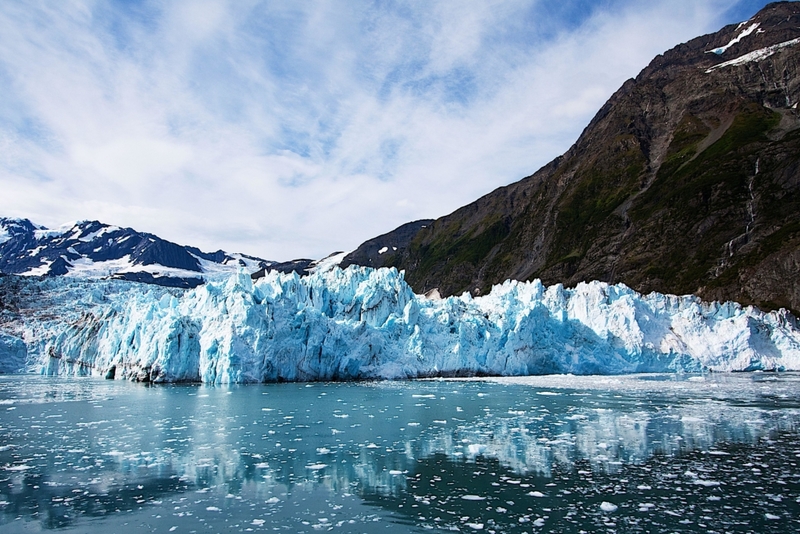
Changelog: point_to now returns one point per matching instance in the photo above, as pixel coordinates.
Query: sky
(295, 129)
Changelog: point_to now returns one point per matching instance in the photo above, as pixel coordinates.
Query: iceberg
(361, 323)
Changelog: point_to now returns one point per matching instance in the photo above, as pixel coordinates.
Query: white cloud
(295, 129)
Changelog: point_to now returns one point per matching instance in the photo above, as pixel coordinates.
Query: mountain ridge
(687, 180)
(91, 249)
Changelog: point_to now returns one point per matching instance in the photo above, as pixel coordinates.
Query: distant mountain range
(686, 181)
(91, 249)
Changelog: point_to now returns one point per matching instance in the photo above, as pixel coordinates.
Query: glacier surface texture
(361, 323)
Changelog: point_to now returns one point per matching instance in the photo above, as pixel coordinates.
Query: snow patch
(86, 268)
(756, 55)
(747, 31)
(328, 263)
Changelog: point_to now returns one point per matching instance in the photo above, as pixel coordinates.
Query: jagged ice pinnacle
(361, 323)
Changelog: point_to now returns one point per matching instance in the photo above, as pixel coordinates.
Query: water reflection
(507, 455)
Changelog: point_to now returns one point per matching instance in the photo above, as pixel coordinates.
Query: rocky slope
(686, 181)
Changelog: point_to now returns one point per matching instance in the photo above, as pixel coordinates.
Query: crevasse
(361, 323)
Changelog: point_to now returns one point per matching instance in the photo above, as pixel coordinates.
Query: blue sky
(295, 129)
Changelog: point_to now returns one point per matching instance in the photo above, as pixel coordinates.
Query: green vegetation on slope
(600, 188)
(699, 205)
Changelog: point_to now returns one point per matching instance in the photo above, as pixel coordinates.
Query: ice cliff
(12, 353)
(361, 323)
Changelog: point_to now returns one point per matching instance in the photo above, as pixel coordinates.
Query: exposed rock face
(686, 181)
(385, 250)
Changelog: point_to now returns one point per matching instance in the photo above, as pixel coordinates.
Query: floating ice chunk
(608, 507)
(316, 467)
(22, 467)
(476, 448)
(706, 483)
(473, 498)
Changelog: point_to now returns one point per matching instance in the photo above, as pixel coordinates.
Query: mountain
(302, 267)
(686, 181)
(383, 250)
(91, 249)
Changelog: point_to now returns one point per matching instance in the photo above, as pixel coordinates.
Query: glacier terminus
(361, 323)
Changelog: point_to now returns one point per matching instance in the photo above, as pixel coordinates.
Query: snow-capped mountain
(91, 249)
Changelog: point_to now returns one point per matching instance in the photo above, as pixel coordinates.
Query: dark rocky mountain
(93, 249)
(300, 266)
(386, 249)
(686, 181)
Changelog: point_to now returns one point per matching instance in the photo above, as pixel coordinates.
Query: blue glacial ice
(361, 323)
(13, 353)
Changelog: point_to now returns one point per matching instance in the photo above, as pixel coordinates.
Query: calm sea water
(645, 453)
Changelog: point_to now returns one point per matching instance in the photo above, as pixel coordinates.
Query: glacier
(362, 323)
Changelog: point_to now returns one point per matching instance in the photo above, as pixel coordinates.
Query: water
(645, 453)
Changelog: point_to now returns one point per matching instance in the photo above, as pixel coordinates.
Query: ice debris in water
(362, 323)
(608, 507)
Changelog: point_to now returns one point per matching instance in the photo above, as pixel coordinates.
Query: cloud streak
(296, 129)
